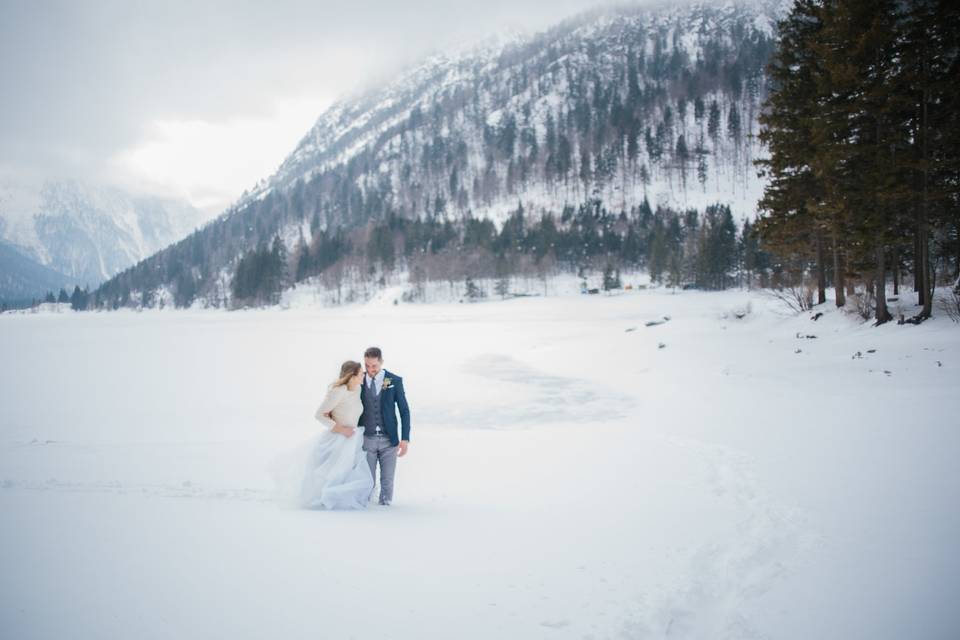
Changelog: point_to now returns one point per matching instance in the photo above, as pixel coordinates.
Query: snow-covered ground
(573, 473)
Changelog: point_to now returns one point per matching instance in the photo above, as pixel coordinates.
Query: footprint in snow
(555, 624)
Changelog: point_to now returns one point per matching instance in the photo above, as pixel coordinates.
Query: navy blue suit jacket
(392, 400)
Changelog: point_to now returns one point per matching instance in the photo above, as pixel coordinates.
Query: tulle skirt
(329, 472)
(337, 474)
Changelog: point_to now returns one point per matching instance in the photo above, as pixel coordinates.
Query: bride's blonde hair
(347, 370)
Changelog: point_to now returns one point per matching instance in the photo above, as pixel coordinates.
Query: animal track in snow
(185, 489)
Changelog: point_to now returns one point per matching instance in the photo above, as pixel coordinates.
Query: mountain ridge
(382, 104)
(627, 106)
(88, 233)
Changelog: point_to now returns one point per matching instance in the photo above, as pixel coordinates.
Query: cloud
(210, 163)
(169, 95)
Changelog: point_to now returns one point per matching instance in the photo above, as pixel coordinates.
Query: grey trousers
(378, 448)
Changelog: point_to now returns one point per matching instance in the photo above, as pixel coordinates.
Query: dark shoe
(385, 503)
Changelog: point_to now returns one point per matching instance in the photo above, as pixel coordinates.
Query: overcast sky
(201, 99)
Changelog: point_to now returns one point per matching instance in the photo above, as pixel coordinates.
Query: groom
(382, 396)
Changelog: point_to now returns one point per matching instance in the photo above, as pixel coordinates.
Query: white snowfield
(568, 476)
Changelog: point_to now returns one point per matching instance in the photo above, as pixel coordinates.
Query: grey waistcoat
(372, 414)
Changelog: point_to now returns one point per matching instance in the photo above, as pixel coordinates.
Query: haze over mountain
(71, 233)
(622, 107)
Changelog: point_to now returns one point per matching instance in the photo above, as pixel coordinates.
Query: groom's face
(373, 366)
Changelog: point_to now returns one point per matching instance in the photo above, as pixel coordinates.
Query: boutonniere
(387, 382)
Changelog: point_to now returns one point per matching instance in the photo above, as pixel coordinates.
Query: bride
(337, 475)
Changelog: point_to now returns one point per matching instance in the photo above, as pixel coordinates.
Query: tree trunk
(925, 295)
(821, 270)
(956, 271)
(880, 287)
(917, 273)
(837, 274)
(930, 279)
(848, 282)
(928, 283)
(919, 263)
(896, 272)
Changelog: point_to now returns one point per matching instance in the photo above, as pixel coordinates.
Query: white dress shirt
(377, 380)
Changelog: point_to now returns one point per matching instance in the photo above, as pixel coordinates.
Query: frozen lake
(572, 473)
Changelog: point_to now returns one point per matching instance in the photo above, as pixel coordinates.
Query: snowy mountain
(647, 74)
(621, 107)
(22, 279)
(83, 232)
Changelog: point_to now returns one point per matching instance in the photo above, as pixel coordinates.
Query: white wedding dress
(337, 474)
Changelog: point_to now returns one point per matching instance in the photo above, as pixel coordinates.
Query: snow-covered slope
(467, 99)
(89, 233)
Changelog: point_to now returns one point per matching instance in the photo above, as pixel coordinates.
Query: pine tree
(928, 76)
(701, 164)
(854, 135)
(277, 270)
(502, 286)
(713, 124)
(860, 126)
(611, 278)
(77, 300)
(793, 201)
(473, 292)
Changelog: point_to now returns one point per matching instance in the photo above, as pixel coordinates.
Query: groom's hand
(403, 448)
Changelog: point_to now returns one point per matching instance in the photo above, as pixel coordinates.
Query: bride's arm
(323, 413)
